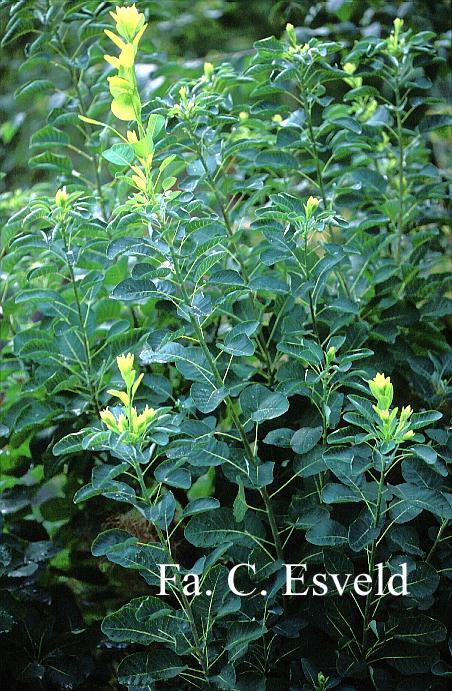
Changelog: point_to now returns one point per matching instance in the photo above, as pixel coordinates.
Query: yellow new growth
(130, 27)
(116, 40)
(310, 206)
(395, 42)
(132, 137)
(349, 67)
(122, 395)
(109, 419)
(61, 198)
(126, 57)
(128, 21)
(125, 364)
(129, 420)
(391, 428)
(382, 389)
(208, 70)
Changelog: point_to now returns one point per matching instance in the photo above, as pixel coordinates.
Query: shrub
(232, 333)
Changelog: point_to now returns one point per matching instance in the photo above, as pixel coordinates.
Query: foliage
(203, 289)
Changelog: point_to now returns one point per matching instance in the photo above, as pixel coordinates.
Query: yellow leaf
(122, 395)
(112, 61)
(119, 86)
(122, 107)
(141, 184)
(116, 40)
(127, 56)
(90, 121)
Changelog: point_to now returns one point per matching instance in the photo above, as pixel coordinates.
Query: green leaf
(69, 444)
(210, 530)
(48, 160)
(208, 453)
(279, 437)
(327, 533)
(348, 124)
(142, 669)
(119, 154)
(227, 277)
(420, 629)
(134, 289)
(435, 122)
(200, 505)
(276, 159)
(225, 679)
(240, 507)
(108, 540)
(240, 635)
(168, 182)
(155, 125)
(419, 420)
(206, 396)
(259, 403)
(408, 659)
(362, 530)
(161, 513)
(252, 475)
(363, 406)
(269, 284)
(124, 625)
(310, 463)
(37, 86)
(238, 345)
(424, 498)
(122, 107)
(335, 493)
(19, 25)
(305, 439)
(203, 487)
(370, 180)
(169, 473)
(422, 581)
(425, 452)
(48, 137)
(309, 352)
(269, 46)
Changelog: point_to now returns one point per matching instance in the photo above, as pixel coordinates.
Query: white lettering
(317, 581)
(337, 583)
(403, 576)
(164, 579)
(231, 582)
(290, 579)
(192, 584)
(362, 578)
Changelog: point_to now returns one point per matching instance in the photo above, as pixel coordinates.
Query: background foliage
(256, 321)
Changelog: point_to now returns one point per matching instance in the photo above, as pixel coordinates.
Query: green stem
(230, 231)
(312, 140)
(401, 210)
(86, 346)
(319, 170)
(229, 404)
(198, 647)
(308, 277)
(437, 540)
(321, 185)
(94, 158)
(314, 319)
(372, 559)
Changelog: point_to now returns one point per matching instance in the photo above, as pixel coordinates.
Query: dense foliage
(225, 299)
